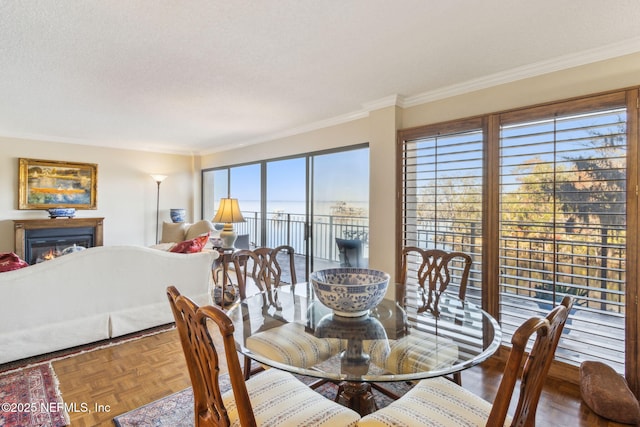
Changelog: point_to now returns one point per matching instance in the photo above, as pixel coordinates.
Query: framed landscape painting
(45, 184)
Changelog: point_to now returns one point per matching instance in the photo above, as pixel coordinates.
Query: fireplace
(39, 240)
(46, 243)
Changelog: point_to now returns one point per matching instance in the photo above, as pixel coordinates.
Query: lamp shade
(228, 212)
(158, 178)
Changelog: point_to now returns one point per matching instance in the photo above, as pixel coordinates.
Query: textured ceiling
(199, 76)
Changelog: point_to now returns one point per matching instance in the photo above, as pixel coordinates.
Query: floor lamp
(158, 179)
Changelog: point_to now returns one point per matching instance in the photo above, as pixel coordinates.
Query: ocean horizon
(297, 207)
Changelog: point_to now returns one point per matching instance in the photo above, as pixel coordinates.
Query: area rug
(30, 397)
(176, 410)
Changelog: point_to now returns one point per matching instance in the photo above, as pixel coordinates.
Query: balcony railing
(283, 228)
(529, 267)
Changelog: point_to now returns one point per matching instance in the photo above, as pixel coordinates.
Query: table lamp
(228, 213)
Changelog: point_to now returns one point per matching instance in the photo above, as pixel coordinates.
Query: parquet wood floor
(123, 376)
(134, 373)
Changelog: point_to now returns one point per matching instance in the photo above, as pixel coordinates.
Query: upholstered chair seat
(418, 352)
(290, 344)
(279, 399)
(434, 402)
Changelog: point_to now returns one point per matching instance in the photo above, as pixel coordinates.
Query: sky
(338, 176)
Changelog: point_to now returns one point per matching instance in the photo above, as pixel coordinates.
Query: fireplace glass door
(45, 244)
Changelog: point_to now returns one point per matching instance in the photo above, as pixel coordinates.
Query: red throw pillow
(191, 246)
(10, 261)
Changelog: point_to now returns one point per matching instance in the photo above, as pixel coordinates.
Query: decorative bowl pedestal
(354, 361)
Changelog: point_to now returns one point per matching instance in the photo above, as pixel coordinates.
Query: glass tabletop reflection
(289, 330)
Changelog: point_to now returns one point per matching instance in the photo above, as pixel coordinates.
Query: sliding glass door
(340, 209)
(545, 200)
(306, 202)
(285, 221)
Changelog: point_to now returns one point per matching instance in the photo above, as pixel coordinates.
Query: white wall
(126, 193)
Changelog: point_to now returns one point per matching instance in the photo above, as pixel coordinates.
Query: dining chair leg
(251, 368)
(247, 368)
(457, 378)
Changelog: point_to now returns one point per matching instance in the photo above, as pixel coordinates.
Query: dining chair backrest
(203, 361)
(264, 266)
(187, 308)
(275, 260)
(434, 270)
(250, 268)
(536, 366)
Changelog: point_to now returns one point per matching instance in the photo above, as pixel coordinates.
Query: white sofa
(95, 294)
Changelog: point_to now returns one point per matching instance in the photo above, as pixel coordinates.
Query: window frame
(491, 123)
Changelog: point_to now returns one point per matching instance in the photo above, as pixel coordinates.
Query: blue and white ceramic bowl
(62, 212)
(350, 292)
(178, 215)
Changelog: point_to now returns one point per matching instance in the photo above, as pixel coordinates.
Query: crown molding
(533, 70)
(388, 101)
(334, 121)
(114, 145)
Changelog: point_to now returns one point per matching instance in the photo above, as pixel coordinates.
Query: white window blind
(442, 196)
(563, 226)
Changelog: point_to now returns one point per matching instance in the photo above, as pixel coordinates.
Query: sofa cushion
(174, 232)
(198, 229)
(163, 246)
(607, 394)
(191, 246)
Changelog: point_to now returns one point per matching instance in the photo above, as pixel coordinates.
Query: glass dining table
(288, 329)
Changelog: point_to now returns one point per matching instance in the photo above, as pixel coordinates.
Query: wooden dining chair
(263, 267)
(434, 271)
(442, 402)
(250, 268)
(271, 398)
(261, 270)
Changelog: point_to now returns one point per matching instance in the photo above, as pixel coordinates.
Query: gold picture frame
(45, 184)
